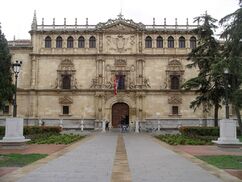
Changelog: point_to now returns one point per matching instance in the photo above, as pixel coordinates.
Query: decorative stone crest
(120, 62)
(65, 100)
(175, 100)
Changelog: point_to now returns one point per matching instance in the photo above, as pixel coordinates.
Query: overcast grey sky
(16, 15)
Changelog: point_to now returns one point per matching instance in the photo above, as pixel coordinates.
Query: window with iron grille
(65, 109)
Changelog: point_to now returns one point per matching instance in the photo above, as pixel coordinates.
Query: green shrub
(49, 138)
(199, 131)
(183, 140)
(2, 130)
(31, 130)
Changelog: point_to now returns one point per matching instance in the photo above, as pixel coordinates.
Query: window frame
(92, 42)
(66, 85)
(59, 42)
(159, 42)
(148, 42)
(182, 42)
(193, 42)
(81, 41)
(65, 110)
(70, 42)
(171, 42)
(175, 85)
(175, 110)
(48, 42)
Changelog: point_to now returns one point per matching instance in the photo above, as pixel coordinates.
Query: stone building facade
(71, 73)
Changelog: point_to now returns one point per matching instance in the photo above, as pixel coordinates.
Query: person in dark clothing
(107, 125)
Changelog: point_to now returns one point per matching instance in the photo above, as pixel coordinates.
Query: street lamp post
(16, 69)
(226, 72)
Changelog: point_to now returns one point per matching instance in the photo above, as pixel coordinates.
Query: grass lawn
(19, 160)
(240, 138)
(223, 161)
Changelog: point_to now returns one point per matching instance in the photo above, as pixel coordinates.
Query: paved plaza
(116, 157)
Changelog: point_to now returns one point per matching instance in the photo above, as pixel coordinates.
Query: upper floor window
(175, 82)
(170, 42)
(148, 42)
(70, 41)
(59, 42)
(120, 82)
(159, 42)
(48, 42)
(66, 81)
(182, 42)
(92, 42)
(81, 42)
(193, 42)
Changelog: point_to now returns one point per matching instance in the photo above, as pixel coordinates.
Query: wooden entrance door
(119, 110)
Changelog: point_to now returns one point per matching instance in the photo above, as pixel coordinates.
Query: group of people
(124, 123)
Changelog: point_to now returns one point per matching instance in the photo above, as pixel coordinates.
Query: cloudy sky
(16, 15)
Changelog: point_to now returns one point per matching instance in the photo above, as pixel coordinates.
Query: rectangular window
(6, 110)
(65, 109)
(174, 110)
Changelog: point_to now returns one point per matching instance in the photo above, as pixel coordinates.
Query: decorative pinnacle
(120, 16)
(34, 22)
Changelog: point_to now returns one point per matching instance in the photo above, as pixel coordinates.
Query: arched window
(70, 41)
(59, 42)
(48, 42)
(175, 82)
(193, 42)
(66, 82)
(182, 42)
(148, 42)
(81, 42)
(92, 42)
(170, 42)
(159, 42)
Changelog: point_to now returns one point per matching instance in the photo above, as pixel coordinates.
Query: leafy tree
(206, 57)
(6, 86)
(232, 54)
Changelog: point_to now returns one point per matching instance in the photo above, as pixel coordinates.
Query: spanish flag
(115, 86)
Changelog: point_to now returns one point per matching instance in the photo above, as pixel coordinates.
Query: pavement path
(92, 161)
(119, 157)
(149, 161)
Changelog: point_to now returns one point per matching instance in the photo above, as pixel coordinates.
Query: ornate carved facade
(72, 71)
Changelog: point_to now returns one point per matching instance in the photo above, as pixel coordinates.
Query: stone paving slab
(150, 162)
(89, 162)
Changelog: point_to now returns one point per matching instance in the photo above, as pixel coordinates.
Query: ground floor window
(65, 110)
(175, 110)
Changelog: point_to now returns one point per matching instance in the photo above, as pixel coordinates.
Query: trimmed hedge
(31, 130)
(199, 131)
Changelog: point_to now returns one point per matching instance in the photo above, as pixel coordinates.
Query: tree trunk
(237, 110)
(216, 107)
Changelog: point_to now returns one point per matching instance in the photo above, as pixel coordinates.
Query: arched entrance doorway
(118, 110)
